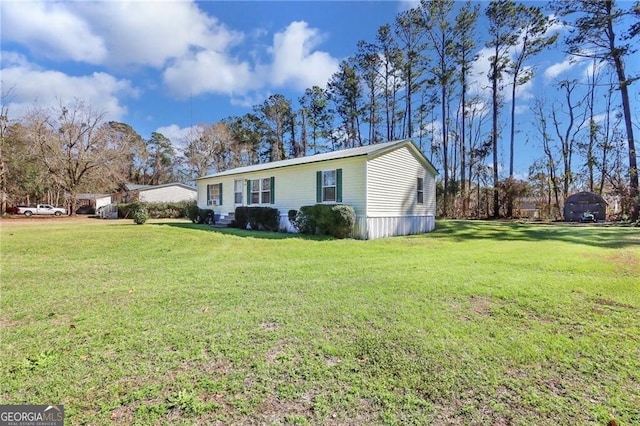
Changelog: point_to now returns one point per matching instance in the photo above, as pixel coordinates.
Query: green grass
(169, 322)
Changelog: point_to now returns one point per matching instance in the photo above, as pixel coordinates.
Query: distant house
(167, 193)
(94, 201)
(527, 207)
(391, 187)
(577, 204)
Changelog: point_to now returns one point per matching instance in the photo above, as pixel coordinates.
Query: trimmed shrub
(168, 210)
(157, 210)
(258, 218)
(335, 220)
(193, 211)
(241, 217)
(306, 220)
(198, 215)
(268, 218)
(126, 210)
(207, 216)
(343, 221)
(140, 215)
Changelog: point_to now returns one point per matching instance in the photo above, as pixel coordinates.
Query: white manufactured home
(391, 187)
(167, 193)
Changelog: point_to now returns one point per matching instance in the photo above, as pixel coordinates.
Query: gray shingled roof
(345, 153)
(136, 187)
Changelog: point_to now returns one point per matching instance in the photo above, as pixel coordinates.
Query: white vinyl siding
(381, 187)
(295, 186)
(391, 186)
(168, 194)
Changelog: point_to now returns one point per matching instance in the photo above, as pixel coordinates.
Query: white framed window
(237, 191)
(420, 191)
(255, 191)
(329, 186)
(261, 191)
(214, 194)
(265, 191)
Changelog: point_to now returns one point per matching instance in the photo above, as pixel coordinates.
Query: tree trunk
(494, 141)
(633, 162)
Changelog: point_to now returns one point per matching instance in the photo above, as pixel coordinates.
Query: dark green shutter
(319, 187)
(273, 190)
(208, 193)
(339, 185)
(220, 197)
(248, 192)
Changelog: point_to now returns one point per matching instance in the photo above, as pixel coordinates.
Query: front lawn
(170, 322)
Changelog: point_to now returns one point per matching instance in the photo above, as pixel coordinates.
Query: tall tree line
(417, 78)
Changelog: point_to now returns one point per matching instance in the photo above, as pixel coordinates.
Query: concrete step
(225, 221)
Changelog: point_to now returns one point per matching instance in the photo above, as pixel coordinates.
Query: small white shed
(391, 187)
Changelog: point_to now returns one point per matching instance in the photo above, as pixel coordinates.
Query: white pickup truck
(41, 209)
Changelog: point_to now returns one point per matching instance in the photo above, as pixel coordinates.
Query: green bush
(335, 220)
(193, 211)
(175, 210)
(241, 217)
(343, 221)
(207, 216)
(140, 215)
(306, 220)
(125, 210)
(259, 218)
(198, 215)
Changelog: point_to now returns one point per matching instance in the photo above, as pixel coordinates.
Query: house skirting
(371, 228)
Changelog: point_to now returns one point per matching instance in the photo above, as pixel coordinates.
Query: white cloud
(50, 29)
(559, 68)
(479, 83)
(408, 4)
(101, 91)
(590, 67)
(248, 100)
(178, 135)
(191, 53)
(209, 72)
(295, 62)
(114, 32)
(150, 34)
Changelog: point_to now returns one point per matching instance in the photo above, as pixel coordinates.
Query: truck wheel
(58, 214)
(28, 213)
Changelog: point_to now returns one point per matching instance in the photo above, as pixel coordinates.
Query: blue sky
(167, 65)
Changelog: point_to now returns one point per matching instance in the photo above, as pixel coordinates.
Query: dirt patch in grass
(122, 415)
(481, 305)
(613, 304)
(269, 325)
(332, 361)
(275, 411)
(626, 262)
(276, 351)
(7, 323)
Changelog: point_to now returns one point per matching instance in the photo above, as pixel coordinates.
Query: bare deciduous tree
(72, 144)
